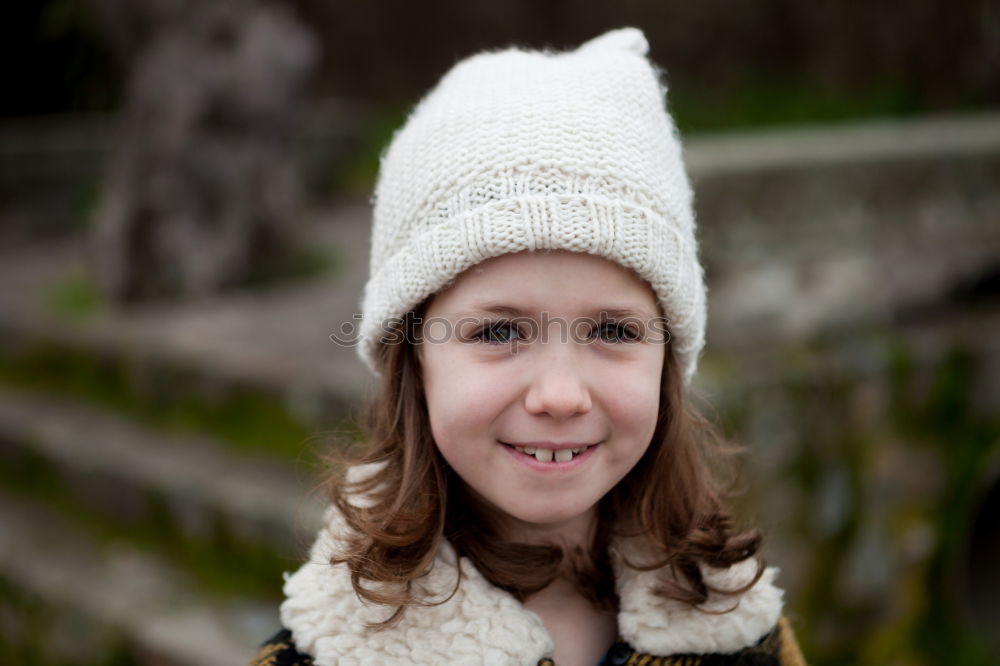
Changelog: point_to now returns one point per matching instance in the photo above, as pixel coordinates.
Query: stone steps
(121, 472)
(254, 366)
(78, 595)
(126, 538)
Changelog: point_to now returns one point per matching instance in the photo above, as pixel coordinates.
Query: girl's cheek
(639, 402)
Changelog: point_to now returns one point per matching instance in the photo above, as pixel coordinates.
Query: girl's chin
(547, 522)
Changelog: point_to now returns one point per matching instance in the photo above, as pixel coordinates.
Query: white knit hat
(528, 150)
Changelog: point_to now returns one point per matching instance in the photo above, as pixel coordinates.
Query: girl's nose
(558, 386)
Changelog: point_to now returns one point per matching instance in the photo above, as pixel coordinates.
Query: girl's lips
(534, 463)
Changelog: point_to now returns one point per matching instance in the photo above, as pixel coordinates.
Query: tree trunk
(203, 191)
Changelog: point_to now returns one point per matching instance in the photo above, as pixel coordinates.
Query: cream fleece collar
(482, 624)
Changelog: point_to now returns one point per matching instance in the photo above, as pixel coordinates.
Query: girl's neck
(582, 632)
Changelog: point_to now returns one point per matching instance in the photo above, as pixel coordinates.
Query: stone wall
(854, 349)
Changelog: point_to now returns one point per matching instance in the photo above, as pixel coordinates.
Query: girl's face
(551, 353)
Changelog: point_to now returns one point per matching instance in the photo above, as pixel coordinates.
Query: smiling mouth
(549, 455)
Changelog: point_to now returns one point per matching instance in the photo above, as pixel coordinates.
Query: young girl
(535, 486)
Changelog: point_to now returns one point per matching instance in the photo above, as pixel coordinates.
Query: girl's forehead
(529, 281)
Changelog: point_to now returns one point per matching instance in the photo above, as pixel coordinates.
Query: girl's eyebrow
(504, 310)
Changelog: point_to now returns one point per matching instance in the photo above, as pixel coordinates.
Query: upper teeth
(547, 455)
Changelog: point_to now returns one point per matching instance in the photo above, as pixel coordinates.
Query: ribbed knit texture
(527, 150)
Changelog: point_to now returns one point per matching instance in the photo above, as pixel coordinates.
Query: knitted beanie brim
(632, 236)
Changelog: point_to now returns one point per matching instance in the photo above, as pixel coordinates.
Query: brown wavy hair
(674, 497)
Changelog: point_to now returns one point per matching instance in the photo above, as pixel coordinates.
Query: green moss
(965, 442)
(170, 396)
(777, 102)
(27, 638)
(829, 446)
(900, 370)
(222, 563)
(947, 412)
(357, 178)
(86, 202)
(303, 263)
(931, 409)
(76, 296)
(928, 408)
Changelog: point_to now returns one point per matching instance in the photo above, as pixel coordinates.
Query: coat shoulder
(778, 647)
(788, 645)
(280, 650)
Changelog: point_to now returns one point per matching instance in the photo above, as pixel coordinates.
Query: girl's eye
(495, 334)
(505, 332)
(617, 332)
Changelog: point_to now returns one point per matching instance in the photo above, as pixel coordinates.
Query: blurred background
(184, 219)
